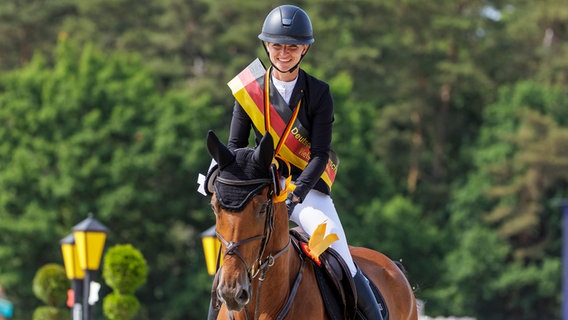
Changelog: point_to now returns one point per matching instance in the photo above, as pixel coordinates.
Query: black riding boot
(366, 302)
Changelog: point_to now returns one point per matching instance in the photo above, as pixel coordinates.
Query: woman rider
(286, 36)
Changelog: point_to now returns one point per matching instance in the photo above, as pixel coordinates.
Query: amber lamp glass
(211, 248)
(71, 258)
(90, 236)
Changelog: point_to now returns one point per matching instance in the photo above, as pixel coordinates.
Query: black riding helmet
(287, 24)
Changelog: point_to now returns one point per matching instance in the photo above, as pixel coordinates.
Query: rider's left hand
(291, 202)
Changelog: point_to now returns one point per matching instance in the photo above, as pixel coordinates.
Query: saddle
(335, 282)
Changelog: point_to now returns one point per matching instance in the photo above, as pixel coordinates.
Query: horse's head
(243, 207)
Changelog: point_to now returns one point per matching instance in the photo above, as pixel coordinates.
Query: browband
(243, 182)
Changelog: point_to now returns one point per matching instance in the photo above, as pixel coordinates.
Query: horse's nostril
(243, 296)
(234, 295)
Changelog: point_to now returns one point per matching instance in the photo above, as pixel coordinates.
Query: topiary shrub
(50, 284)
(118, 306)
(124, 270)
(50, 313)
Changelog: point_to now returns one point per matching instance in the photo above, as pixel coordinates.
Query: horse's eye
(262, 209)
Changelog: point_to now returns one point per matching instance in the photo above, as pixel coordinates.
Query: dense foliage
(451, 125)
(118, 306)
(50, 285)
(124, 270)
(50, 313)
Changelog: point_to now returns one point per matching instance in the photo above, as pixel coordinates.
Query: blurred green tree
(92, 134)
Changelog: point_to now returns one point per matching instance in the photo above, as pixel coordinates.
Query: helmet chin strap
(291, 69)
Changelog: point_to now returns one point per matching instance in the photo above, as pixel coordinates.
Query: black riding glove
(290, 203)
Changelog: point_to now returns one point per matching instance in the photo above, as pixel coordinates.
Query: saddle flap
(336, 272)
(340, 274)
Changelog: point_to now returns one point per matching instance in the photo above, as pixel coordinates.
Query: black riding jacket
(316, 115)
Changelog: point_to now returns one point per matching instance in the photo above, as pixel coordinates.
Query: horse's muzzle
(234, 291)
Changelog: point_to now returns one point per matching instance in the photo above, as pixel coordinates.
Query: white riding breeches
(316, 209)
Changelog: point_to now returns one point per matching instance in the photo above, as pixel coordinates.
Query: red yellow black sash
(248, 88)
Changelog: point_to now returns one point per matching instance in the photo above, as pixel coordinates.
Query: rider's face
(285, 57)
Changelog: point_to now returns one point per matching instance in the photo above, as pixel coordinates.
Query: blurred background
(451, 123)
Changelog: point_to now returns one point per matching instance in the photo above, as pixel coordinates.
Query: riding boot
(213, 312)
(366, 302)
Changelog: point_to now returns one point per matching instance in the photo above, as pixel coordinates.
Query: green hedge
(117, 306)
(50, 313)
(124, 270)
(50, 284)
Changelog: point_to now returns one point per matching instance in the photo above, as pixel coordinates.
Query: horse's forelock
(243, 168)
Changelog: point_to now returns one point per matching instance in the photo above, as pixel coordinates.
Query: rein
(259, 266)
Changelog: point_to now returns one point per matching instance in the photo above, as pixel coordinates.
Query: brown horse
(263, 276)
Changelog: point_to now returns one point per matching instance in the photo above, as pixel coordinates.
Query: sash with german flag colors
(248, 88)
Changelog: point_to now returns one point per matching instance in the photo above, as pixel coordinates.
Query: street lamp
(90, 236)
(74, 273)
(213, 259)
(211, 249)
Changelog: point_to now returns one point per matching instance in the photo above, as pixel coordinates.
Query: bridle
(260, 266)
(232, 247)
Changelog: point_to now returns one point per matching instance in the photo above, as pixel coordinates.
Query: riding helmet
(287, 24)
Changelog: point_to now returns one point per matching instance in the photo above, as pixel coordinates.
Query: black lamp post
(90, 236)
(74, 273)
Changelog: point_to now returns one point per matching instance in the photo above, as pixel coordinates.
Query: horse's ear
(218, 150)
(264, 152)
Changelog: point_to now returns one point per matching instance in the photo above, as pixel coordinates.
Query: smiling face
(284, 57)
